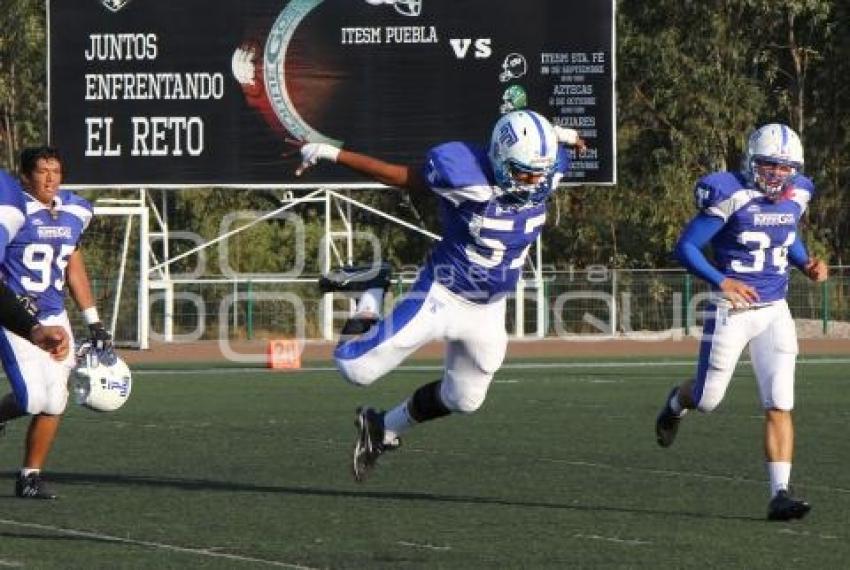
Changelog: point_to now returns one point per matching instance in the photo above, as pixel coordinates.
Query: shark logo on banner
(114, 5)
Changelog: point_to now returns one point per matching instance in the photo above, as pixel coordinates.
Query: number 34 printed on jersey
(778, 255)
(39, 259)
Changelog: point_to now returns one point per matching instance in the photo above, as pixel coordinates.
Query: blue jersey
(752, 246)
(38, 255)
(485, 236)
(12, 210)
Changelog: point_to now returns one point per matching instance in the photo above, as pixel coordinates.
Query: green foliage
(22, 77)
(693, 78)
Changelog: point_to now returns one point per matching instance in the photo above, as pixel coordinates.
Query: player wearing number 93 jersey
(750, 219)
(492, 206)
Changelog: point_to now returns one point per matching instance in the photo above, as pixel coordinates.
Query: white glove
(312, 153)
(566, 136)
(242, 65)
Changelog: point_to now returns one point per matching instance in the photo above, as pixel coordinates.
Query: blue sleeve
(696, 236)
(4, 242)
(797, 253)
(456, 164)
(563, 160)
(12, 210)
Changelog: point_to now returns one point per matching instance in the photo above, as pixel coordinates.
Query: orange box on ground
(284, 354)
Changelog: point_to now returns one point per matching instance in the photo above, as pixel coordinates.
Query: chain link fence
(602, 302)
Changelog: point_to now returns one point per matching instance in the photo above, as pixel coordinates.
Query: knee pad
(36, 402)
(55, 406)
(464, 402)
(710, 399)
(356, 371)
(781, 397)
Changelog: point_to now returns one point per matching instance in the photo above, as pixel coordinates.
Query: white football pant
(40, 384)
(474, 333)
(772, 338)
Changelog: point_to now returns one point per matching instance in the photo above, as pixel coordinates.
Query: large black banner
(179, 92)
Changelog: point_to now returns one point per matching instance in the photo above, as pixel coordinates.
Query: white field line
(423, 546)
(11, 564)
(624, 541)
(508, 366)
(807, 533)
(157, 545)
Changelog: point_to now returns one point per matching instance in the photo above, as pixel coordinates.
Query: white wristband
(566, 136)
(90, 315)
(328, 152)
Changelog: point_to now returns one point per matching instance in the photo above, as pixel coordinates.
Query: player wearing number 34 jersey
(492, 206)
(750, 219)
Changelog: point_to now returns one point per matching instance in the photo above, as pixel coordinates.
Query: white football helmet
(773, 144)
(101, 381)
(522, 142)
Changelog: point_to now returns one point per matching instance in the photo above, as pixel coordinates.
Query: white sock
(371, 301)
(396, 422)
(676, 406)
(25, 472)
(779, 473)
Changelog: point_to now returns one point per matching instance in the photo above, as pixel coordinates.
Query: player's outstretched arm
(570, 137)
(397, 175)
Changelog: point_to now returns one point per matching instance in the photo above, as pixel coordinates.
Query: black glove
(101, 340)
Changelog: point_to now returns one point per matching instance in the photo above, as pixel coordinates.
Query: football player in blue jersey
(492, 206)
(750, 219)
(40, 258)
(13, 315)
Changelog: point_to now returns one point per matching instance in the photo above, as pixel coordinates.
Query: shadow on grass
(225, 486)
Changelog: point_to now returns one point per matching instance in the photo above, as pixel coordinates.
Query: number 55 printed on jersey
(38, 258)
(497, 247)
(778, 255)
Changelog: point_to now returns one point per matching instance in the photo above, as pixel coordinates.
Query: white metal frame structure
(131, 208)
(337, 248)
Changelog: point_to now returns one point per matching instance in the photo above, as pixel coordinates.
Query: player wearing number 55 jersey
(750, 219)
(492, 205)
(39, 259)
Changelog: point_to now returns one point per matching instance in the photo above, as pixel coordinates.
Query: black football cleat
(33, 487)
(356, 326)
(352, 279)
(667, 423)
(369, 445)
(783, 507)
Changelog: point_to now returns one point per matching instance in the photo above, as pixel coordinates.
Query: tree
(22, 77)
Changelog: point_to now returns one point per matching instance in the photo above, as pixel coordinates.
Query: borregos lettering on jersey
(53, 232)
(774, 219)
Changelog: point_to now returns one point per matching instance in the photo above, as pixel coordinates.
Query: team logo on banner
(403, 7)
(514, 67)
(114, 5)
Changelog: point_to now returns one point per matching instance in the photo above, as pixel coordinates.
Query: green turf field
(559, 469)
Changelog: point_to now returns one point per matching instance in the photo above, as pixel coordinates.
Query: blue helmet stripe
(541, 132)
